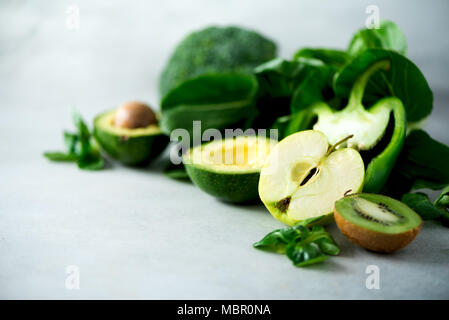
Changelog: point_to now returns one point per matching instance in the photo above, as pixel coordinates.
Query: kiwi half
(375, 222)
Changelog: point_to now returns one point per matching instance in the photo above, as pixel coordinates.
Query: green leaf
(80, 125)
(443, 199)
(217, 100)
(60, 156)
(91, 163)
(279, 77)
(177, 172)
(304, 254)
(422, 164)
(337, 58)
(311, 89)
(442, 203)
(313, 222)
(71, 141)
(80, 146)
(328, 246)
(277, 240)
(388, 36)
(421, 204)
(305, 243)
(403, 80)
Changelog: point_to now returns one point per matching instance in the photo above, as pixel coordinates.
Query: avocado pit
(133, 115)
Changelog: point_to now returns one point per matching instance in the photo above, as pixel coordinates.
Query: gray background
(134, 233)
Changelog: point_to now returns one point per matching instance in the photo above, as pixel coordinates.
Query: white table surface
(133, 233)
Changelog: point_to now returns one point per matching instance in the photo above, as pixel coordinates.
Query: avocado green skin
(131, 151)
(229, 187)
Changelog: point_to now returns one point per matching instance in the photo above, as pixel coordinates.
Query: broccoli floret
(215, 50)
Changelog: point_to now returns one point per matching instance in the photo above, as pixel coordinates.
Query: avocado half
(229, 169)
(134, 147)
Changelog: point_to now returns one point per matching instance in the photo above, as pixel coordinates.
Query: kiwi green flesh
(378, 213)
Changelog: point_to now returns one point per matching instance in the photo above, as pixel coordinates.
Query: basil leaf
(421, 204)
(80, 146)
(60, 156)
(403, 80)
(91, 162)
(327, 246)
(80, 125)
(277, 240)
(303, 245)
(304, 254)
(388, 36)
(71, 141)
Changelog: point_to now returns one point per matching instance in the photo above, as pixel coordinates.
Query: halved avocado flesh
(229, 169)
(129, 146)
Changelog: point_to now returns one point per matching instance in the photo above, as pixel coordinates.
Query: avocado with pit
(229, 169)
(130, 134)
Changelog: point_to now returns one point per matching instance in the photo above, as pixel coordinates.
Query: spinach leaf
(80, 147)
(421, 204)
(443, 200)
(317, 84)
(312, 89)
(422, 164)
(389, 36)
(279, 77)
(337, 58)
(218, 100)
(403, 79)
(438, 210)
(278, 81)
(442, 203)
(305, 243)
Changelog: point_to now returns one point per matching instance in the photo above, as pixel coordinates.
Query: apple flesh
(302, 180)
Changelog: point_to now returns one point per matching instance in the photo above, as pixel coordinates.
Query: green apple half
(303, 177)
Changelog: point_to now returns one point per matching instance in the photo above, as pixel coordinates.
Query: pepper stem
(358, 89)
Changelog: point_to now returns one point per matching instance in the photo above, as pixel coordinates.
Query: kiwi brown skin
(373, 240)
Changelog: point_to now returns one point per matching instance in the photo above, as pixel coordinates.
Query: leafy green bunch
(80, 147)
(304, 244)
(371, 82)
